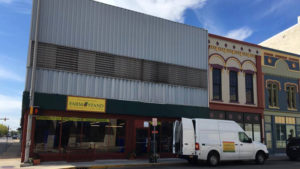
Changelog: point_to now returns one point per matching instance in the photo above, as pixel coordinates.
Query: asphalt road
(271, 164)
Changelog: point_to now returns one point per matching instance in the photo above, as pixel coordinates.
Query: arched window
(291, 90)
(273, 88)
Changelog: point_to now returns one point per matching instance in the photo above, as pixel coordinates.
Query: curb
(124, 165)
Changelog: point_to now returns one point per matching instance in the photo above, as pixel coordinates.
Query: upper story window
(217, 84)
(291, 96)
(249, 88)
(273, 89)
(233, 83)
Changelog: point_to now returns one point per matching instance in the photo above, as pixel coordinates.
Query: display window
(65, 134)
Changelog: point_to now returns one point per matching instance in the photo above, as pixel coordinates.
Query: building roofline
(280, 51)
(233, 40)
(129, 10)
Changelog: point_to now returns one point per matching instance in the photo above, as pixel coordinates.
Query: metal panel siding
(67, 83)
(90, 25)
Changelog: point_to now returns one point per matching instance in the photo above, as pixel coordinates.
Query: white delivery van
(215, 141)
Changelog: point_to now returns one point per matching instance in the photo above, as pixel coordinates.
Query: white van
(215, 141)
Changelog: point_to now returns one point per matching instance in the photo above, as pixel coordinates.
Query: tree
(3, 130)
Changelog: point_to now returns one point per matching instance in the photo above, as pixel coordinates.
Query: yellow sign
(86, 104)
(71, 119)
(228, 146)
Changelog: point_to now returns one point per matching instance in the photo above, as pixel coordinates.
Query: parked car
(215, 141)
(293, 148)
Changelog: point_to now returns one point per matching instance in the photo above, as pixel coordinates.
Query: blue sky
(249, 20)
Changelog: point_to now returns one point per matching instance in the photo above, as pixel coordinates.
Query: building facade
(288, 40)
(281, 86)
(235, 83)
(102, 73)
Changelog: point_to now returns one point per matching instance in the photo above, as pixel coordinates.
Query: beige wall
(287, 40)
(233, 57)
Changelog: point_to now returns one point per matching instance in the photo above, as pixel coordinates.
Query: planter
(36, 162)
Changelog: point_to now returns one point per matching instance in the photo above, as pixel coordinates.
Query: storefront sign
(228, 146)
(86, 104)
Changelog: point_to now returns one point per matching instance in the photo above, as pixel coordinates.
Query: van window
(244, 138)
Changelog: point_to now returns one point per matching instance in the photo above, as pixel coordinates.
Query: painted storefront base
(279, 127)
(123, 131)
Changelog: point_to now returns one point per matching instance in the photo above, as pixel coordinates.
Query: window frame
(219, 88)
(250, 88)
(273, 91)
(291, 96)
(233, 86)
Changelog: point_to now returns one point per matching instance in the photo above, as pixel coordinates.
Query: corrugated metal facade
(68, 83)
(90, 25)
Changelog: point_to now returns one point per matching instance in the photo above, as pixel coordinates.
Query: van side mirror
(250, 140)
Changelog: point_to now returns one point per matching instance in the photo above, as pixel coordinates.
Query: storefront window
(102, 135)
(46, 136)
(256, 132)
(280, 132)
(248, 130)
(268, 131)
(298, 127)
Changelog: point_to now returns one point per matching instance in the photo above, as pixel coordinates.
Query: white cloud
(7, 74)
(240, 34)
(6, 1)
(168, 9)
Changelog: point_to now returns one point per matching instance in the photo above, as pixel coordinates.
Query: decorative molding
(286, 84)
(234, 52)
(273, 81)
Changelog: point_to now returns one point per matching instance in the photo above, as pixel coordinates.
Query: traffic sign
(154, 121)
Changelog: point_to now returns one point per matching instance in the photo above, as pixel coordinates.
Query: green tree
(3, 130)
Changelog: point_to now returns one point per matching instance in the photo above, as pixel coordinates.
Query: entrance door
(142, 141)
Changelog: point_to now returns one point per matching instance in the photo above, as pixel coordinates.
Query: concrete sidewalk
(15, 163)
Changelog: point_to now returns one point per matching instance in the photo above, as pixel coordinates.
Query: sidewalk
(15, 163)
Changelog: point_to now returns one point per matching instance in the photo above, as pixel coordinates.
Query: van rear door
(188, 137)
(177, 137)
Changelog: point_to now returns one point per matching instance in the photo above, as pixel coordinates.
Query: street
(270, 164)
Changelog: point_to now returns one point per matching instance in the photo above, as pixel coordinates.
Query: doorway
(142, 141)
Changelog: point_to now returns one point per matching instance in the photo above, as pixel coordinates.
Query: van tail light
(197, 146)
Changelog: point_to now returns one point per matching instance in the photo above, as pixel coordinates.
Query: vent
(82, 61)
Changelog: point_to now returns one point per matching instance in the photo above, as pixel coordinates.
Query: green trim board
(277, 113)
(58, 102)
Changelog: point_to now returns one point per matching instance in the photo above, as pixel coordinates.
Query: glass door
(142, 141)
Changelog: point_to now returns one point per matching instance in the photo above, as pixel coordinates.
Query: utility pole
(32, 85)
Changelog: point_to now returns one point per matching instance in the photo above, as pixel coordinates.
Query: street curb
(124, 165)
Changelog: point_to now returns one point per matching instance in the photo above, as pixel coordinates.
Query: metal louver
(82, 61)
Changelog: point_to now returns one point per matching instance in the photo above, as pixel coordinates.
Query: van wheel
(260, 158)
(213, 159)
